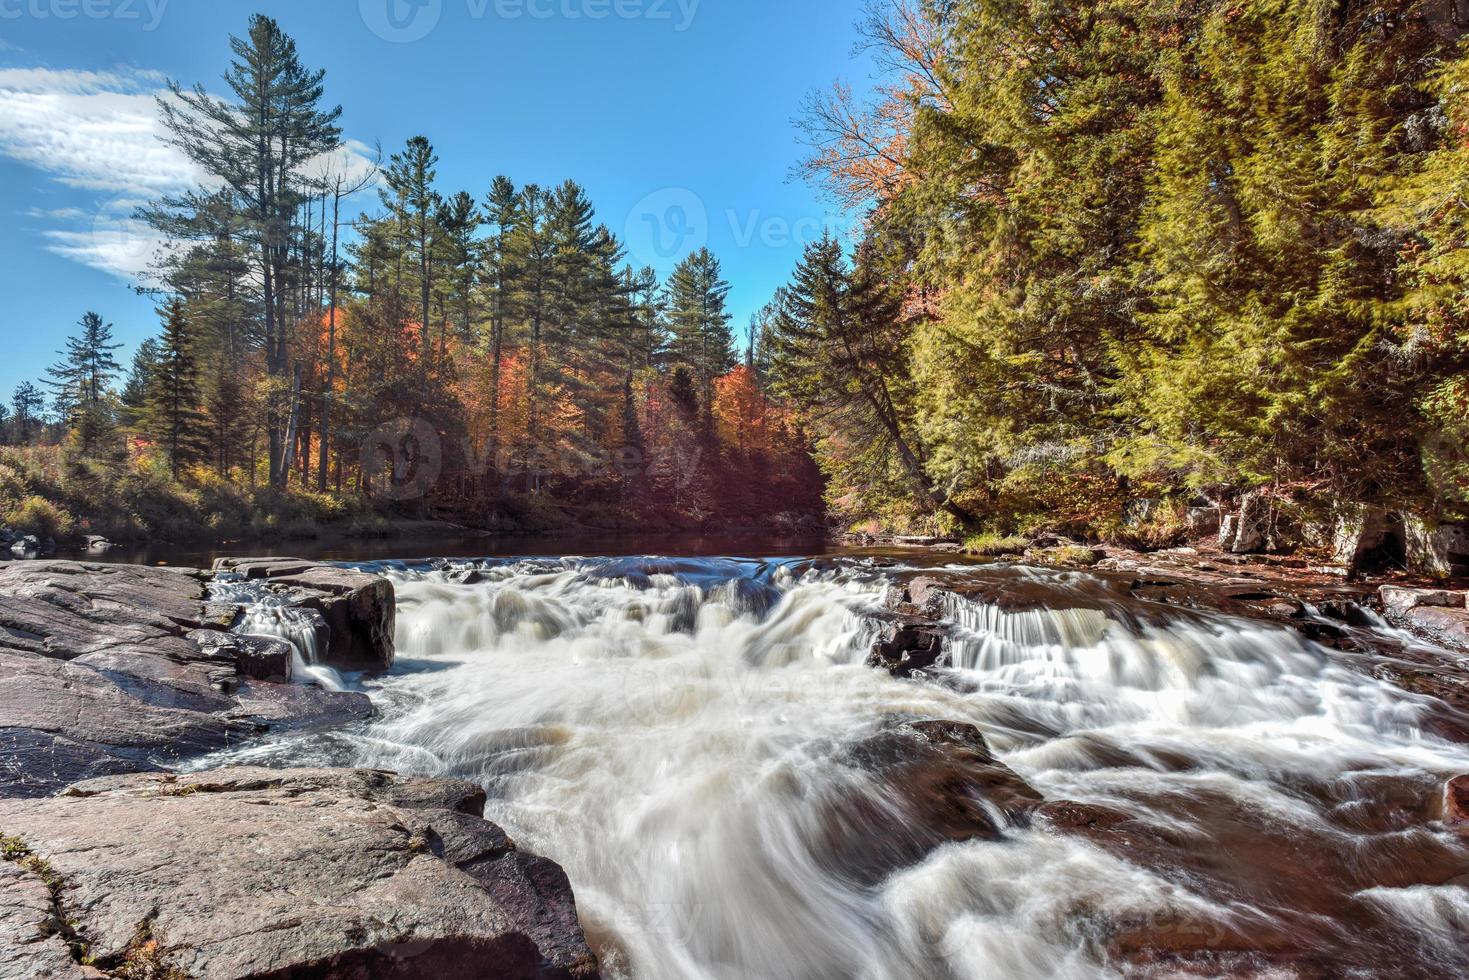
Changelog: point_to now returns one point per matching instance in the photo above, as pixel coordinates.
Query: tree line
(295, 331)
(1185, 251)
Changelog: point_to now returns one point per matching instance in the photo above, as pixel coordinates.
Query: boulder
(1204, 521)
(253, 873)
(908, 646)
(1435, 549)
(1358, 530)
(360, 609)
(1399, 601)
(1447, 626)
(98, 545)
(928, 783)
(25, 546)
(1244, 532)
(260, 658)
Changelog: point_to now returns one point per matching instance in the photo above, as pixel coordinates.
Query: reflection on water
(679, 734)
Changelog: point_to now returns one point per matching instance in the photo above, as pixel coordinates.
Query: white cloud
(100, 132)
(96, 131)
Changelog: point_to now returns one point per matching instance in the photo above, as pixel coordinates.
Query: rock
(1456, 803)
(1448, 626)
(1203, 521)
(937, 783)
(98, 545)
(1435, 549)
(253, 873)
(1245, 532)
(907, 647)
(33, 945)
(25, 546)
(261, 658)
(1399, 601)
(110, 669)
(1358, 530)
(360, 609)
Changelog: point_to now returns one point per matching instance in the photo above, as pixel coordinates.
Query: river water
(678, 733)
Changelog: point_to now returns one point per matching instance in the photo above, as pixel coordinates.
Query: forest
(1116, 261)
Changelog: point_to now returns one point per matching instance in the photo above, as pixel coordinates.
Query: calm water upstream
(676, 733)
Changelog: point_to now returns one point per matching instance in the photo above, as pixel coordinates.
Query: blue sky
(675, 114)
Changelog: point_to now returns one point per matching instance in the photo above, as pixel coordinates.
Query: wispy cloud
(100, 132)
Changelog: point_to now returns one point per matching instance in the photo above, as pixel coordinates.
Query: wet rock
(25, 546)
(1065, 815)
(360, 609)
(252, 873)
(97, 545)
(1447, 626)
(261, 658)
(111, 668)
(908, 647)
(928, 783)
(1456, 803)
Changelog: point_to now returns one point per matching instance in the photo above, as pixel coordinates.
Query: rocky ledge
(110, 675)
(256, 873)
(109, 669)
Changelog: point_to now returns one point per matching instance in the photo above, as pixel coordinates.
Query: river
(679, 735)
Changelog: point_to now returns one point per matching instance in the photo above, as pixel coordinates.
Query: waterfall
(678, 735)
(264, 613)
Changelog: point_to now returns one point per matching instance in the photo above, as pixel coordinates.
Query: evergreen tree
(413, 206)
(82, 382)
(174, 419)
(698, 319)
(140, 382)
(838, 354)
(28, 408)
(258, 145)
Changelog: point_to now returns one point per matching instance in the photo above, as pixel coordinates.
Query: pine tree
(140, 382)
(258, 146)
(174, 419)
(28, 406)
(413, 204)
(82, 382)
(698, 319)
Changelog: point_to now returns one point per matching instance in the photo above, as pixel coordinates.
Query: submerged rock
(255, 873)
(936, 783)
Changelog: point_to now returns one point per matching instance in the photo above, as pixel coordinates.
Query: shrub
(39, 516)
(995, 545)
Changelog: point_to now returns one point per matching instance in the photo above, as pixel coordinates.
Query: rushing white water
(672, 733)
(267, 614)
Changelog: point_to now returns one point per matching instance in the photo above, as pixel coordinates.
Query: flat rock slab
(256, 873)
(102, 671)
